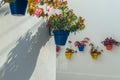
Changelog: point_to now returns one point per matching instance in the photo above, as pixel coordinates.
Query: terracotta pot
(108, 47)
(68, 55)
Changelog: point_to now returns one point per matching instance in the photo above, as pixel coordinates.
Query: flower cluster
(110, 41)
(70, 50)
(82, 43)
(65, 19)
(35, 6)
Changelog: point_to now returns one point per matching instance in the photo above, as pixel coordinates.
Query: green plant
(8, 1)
(64, 20)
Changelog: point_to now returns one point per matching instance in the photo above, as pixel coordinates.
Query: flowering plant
(82, 43)
(110, 41)
(94, 52)
(69, 52)
(64, 20)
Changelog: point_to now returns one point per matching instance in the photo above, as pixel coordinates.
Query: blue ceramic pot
(81, 47)
(18, 7)
(60, 37)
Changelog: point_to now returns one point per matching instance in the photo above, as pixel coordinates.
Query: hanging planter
(94, 52)
(60, 37)
(110, 42)
(18, 7)
(81, 44)
(69, 52)
(63, 22)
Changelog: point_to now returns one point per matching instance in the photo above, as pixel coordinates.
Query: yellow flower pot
(68, 55)
(94, 55)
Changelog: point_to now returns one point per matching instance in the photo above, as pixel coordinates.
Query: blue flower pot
(81, 47)
(60, 37)
(18, 7)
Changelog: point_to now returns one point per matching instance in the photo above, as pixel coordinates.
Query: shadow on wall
(21, 60)
(4, 10)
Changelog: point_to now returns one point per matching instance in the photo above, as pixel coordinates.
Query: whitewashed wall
(102, 20)
(25, 48)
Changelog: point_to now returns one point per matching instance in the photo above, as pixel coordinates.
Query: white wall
(102, 20)
(25, 48)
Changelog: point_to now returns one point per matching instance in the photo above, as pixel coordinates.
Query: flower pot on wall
(81, 47)
(68, 55)
(94, 55)
(60, 37)
(108, 47)
(18, 7)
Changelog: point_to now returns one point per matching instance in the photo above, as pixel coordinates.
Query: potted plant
(69, 52)
(81, 44)
(61, 23)
(94, 52)
(110, 42)
(17, 7)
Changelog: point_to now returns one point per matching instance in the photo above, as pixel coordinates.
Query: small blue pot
(18, 7)
(81, 47)
(60, 37)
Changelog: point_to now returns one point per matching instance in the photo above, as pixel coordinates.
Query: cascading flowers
(64, 20)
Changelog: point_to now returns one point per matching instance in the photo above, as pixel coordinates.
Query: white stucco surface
(102, 20)
(25, 48)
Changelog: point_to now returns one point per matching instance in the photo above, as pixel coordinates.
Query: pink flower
(37, 1)
(38, 12)
(76, 43)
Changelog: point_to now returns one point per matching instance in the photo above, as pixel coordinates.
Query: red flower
(48, 24)
(57, 48)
